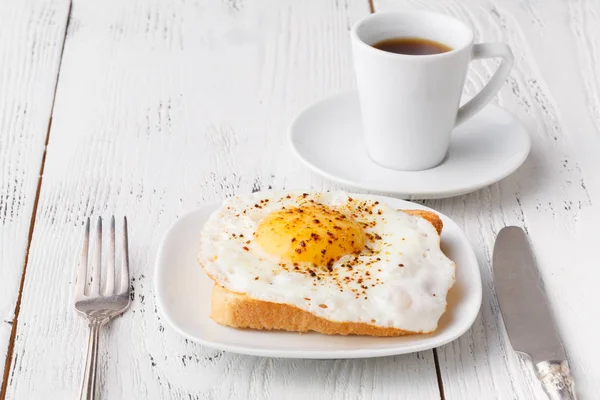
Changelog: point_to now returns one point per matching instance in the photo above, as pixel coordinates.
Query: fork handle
(88, 385)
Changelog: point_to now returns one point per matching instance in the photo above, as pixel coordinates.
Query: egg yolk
(310, 233)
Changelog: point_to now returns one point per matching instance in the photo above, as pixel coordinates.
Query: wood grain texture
(553, 89)
(31, 38)
(163, 106)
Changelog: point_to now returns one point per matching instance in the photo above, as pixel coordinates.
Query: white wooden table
(150, 108)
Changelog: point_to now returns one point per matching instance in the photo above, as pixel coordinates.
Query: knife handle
(556, 380)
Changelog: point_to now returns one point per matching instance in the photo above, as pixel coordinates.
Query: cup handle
(487, 50)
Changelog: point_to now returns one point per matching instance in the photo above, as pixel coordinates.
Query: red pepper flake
(323, 251)
(288, 197)
(302, 244)
(434, 295)
(304, 195)
(293, 240)
(246, 248)
(350, 198)
(298, 251)
(312, 273)
(329, 241)
(241, 235)
(401, 265)
(378, 259)
(256, 206)
(256, 278)
(337, 227)
(307, 298)
(316, 221)
(377, 237)
(322, 306)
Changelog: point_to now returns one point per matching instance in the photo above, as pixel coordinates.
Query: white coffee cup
(410, 103)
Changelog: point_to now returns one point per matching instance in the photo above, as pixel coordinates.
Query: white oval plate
(327, 137)
(183, 294)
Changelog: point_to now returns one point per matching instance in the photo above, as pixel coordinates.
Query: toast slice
(240, 311)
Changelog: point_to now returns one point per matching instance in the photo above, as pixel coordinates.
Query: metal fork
(96, 305)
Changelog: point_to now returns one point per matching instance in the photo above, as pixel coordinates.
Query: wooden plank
(554, 90)
(163, 106)
(31, 38)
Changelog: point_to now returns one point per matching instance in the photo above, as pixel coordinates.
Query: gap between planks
(15, 322)
(438, 373)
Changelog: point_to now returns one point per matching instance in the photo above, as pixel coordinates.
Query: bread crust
(240, 311)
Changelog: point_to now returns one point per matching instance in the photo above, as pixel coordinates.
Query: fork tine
(83, 262)
(125, 261)
(95, 289)
(109, 286)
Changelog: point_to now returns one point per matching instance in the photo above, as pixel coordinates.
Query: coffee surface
(411, 46)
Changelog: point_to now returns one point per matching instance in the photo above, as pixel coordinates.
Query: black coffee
(411, 46)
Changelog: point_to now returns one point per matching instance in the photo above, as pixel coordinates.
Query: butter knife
(524, 307)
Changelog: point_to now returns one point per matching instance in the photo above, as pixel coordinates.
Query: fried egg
(346, 258)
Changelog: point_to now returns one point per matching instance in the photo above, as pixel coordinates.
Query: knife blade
(525, 310)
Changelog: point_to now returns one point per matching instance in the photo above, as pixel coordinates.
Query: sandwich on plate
(334, 263)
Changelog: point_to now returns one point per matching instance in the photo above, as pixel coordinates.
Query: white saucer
(327, 137)
(183, 293)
